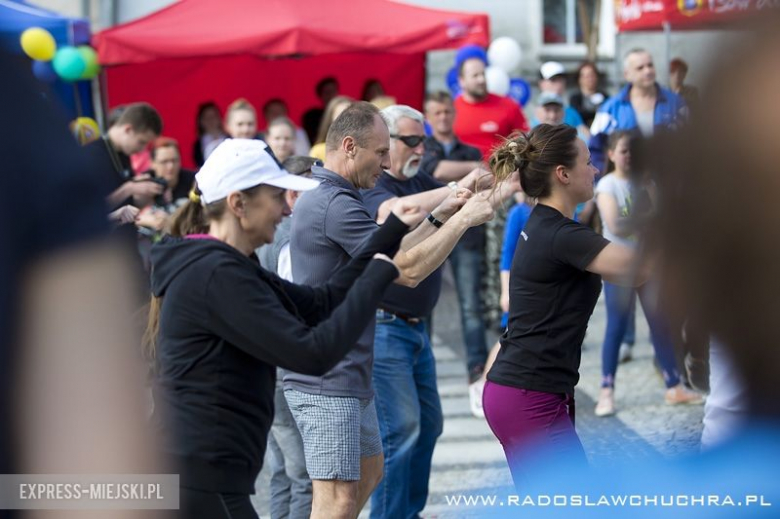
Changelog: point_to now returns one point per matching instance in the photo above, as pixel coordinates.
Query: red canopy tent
(199, 50)
(651, 15)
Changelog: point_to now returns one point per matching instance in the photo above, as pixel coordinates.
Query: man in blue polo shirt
(335, 413)
(642, 104)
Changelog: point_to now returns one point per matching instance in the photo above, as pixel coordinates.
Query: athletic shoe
(679, 395)
(606, 403)
(475, 398)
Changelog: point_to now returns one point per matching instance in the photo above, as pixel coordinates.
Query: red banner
(650, 15)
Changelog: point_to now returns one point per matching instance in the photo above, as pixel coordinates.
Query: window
(567, 21)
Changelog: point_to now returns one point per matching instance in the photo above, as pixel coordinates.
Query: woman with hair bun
(555, 281)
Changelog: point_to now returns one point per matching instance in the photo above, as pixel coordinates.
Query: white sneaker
(475, 398)
(626, 353)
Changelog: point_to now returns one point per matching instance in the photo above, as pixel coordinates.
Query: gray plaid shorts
(336, 431)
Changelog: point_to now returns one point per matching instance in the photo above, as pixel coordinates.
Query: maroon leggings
(535, 429)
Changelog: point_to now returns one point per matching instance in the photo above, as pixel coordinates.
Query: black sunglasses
(410, 140)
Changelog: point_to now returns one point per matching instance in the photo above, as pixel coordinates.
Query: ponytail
(534, 155)
(149, 341)
(190, 218)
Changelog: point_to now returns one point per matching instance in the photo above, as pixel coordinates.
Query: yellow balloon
(39, 44)
(85, 129)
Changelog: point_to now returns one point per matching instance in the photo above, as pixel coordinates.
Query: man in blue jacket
(642, 104)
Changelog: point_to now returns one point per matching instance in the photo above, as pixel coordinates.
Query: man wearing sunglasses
(404, 375)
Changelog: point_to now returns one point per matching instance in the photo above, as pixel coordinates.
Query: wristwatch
(436, 223)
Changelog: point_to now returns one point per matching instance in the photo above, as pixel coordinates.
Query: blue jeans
(618, 300)
(291, 491)
(409, 413)
(467, 270)
(630, 336)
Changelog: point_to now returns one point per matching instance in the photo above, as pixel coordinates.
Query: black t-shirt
(115, 168)
(114, 164)
(551, 299)
(418, 301)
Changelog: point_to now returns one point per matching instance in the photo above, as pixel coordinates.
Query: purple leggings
(534, 428)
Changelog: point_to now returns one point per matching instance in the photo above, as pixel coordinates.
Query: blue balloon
(452, 82)
(468, 52)
(519, 90)
(44, 71)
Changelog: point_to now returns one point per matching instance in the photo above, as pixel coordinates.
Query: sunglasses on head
(410, 140)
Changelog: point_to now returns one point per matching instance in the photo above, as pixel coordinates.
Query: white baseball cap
(551, 69)
(238, 164)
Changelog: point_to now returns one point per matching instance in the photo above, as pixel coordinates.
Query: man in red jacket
(483, 118)
(482, 121)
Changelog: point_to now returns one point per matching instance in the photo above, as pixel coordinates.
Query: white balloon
(505, 54)
(497, 81)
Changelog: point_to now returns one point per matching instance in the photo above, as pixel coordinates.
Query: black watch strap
(436, 223)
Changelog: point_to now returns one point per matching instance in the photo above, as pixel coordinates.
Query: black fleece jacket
(225, 323)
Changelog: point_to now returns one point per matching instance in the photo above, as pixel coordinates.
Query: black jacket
(225, 323)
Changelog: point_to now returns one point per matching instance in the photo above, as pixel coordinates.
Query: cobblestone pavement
(469, 460)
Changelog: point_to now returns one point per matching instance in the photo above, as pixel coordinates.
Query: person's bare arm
(449, 206)
(449, 170)
(621, 226)
(621, 265)
(143, 192)
(80, 406)
(426, 201)
(504, 300)
(476, 180)
(119, 194)
(420, 261)
(504, 190)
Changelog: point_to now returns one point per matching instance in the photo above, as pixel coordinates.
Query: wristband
(436, 223)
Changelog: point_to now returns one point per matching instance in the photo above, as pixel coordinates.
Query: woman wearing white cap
(219, 323)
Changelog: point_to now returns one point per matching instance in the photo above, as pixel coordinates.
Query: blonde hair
(240, 104)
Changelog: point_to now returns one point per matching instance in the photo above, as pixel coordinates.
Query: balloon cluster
(502, 57)
(67, 63)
